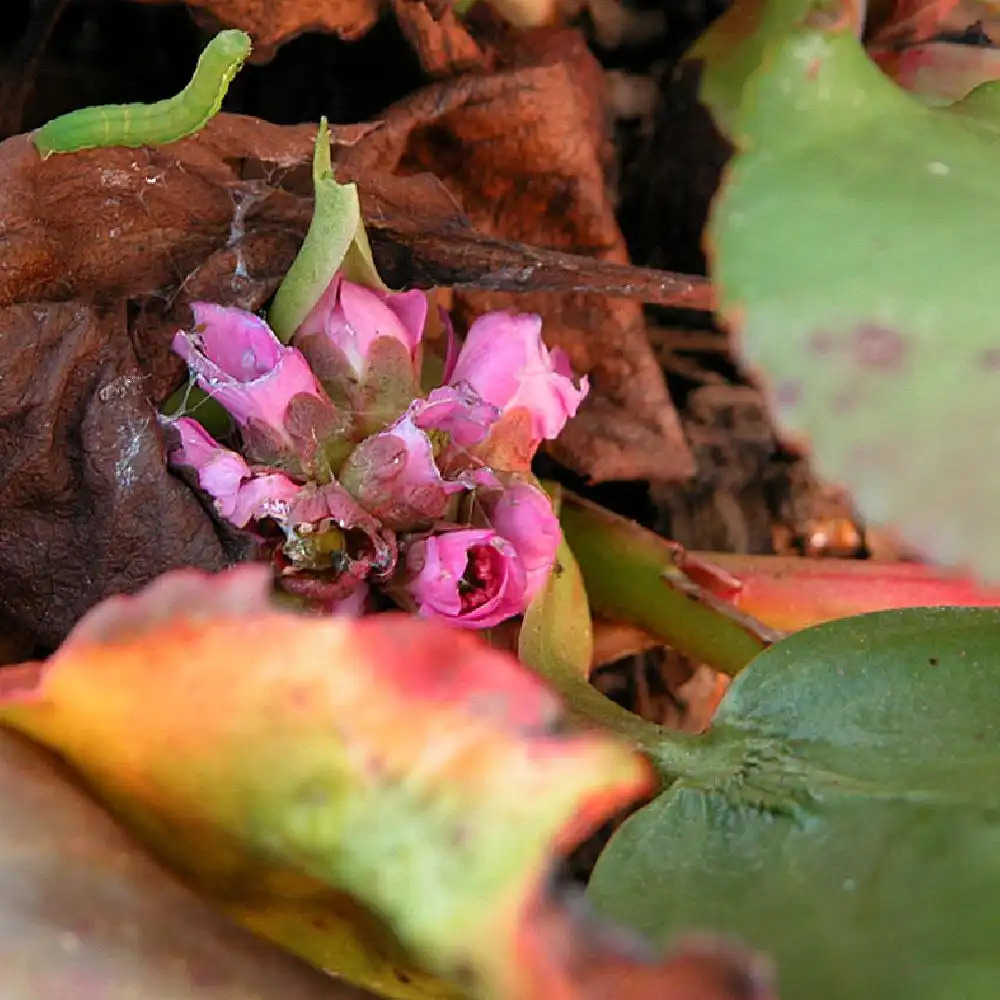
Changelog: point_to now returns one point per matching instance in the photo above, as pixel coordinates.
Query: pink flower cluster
(353, 481)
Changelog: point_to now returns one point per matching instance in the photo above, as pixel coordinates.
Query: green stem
(672, 754)
(633, 575)
(556, 642)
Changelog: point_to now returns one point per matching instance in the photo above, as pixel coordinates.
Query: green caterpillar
(152, 124)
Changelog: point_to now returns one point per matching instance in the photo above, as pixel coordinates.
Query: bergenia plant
(361, 490)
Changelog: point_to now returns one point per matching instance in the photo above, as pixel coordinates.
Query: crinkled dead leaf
(158, 227)
(424, 239)
(871, 315)
(88, 506)
(278, 760)
(85, 912)
(218, 216)
(843, 815)
(89, 509)
(525, 152)
(272, 22)
(442, 42)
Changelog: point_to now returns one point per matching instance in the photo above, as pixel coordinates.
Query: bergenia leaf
(335, 227)
(841, 248)
(849, 821)
(789, 593)
(86, 913)
(400, 770)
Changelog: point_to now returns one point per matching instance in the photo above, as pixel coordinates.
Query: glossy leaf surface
(848, 822)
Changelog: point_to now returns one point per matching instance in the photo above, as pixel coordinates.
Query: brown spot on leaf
(788, 393)
(822, 343)
(990, 359)
(880, 347)
(846, 400)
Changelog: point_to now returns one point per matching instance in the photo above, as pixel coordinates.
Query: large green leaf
(846, 816)
(851, 245)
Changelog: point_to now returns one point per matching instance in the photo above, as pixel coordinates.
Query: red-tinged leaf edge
(792, 593)
(487, 686)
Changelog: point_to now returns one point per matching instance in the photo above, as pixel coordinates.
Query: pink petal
(238, 361)
(524, 516)
(419, 468)
(506, 362)
(411, 308)
(264, 496)
(458, 411)
(240, 343)
(551, 398)
(239, 494)
(317, 317)
(471, 578)
(496, 350)
(220, 471)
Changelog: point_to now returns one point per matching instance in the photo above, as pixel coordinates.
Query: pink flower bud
(394, 475)
(352, 318)
(506, 362)
(362, 345)
(472, 578)
(523, 515)
(268, 388)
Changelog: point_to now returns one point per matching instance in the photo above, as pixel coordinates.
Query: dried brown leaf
(101, 253)
(89, 509)
(272, 22)
(440, 39)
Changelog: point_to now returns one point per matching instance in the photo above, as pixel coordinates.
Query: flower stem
(635, 576)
